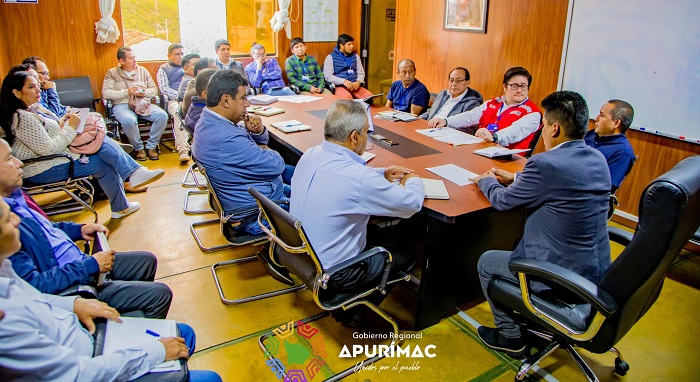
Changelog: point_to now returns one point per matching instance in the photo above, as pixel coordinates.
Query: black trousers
(130, 286)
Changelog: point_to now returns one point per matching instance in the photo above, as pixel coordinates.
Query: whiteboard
(644, 52)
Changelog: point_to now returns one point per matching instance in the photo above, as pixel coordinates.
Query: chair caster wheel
(621, 367)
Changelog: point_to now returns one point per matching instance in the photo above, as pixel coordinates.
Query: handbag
(92, 136)
(140, 105)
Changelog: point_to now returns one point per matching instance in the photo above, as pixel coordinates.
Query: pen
(257, 107)
(293, 124)
(154, 334)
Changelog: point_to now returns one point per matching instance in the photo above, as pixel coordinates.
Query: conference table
(459, 230)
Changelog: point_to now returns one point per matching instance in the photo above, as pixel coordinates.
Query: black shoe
(354, 318)
(514, 347)
(280, 274)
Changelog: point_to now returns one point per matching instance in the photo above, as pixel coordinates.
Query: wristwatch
(495, 137)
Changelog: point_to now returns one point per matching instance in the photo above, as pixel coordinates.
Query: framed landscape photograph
(466, 15)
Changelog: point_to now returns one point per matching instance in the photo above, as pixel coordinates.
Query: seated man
(232, 147)
(609, 138)
(200, 100)
(223, 57)
(126, 80)
(41, 337)
(458, 98)
(188, 63)
(51, 262)
(344, 69)
(49, 96)
(334, 194)
(303, 71)
(265, 73)
(169, 77)
(204, 63)
(407, 93)
(567, 211)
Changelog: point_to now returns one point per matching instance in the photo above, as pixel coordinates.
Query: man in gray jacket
(458, 98)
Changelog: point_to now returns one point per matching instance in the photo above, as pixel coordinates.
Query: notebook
(262, 99)
(496, 151)
(290, 126)
(134, 332)
(435, 189)
(99, 245)
(268, 111)
(370, 100)
(82, 113)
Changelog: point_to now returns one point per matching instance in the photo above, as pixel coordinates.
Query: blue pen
(154, 334)
(293, 124)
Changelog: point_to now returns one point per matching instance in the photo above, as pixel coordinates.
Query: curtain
(106, 28)
(281, 18)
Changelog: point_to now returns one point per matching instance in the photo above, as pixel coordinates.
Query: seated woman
(510, 120)
(34, 131)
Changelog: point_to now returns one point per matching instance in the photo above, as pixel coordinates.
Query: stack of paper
(450, 136)
(290, 126)
(397, 115)
(497, 151)
(367, 156)
(138, 331)
(435, 189)
(262, 99)
(454, 174)
(298, 98)
(268, 111)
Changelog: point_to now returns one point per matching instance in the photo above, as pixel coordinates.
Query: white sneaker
(184, 157)
(133, 207)
(143, 176)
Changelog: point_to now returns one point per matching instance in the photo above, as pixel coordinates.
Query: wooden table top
(463, 199)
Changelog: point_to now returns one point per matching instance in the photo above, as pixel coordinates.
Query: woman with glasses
(34, 131)
(510, 120)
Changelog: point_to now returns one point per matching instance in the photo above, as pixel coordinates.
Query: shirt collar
(5, 277)
(342, 150)
(563, 143)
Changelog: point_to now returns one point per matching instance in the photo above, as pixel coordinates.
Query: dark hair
(344, 39)
(121, 52)
(21, 68)
(173, 47)
(224, 82)
(189, 57)
(220, 42)
(295, 41)
(202, 64)
(466, 72)
(31, 60)
(9, 103)
(406, 60)
(202, 80)
(569, 110)
(622, 111)
(517, 71)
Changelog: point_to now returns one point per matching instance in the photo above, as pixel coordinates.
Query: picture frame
(465, 15)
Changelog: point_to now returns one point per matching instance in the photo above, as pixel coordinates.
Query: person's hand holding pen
(437, 122)
(253, 123)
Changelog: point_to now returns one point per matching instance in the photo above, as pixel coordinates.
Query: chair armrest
(363, 256)
(294, 88)
(84, 291)
(71, 162)
(572, 281)
(619, 235)
(160, 101)
(331, 87)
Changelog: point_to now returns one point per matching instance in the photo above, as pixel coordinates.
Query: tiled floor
(659, 348)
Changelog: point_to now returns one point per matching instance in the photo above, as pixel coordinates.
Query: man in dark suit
(566, 191)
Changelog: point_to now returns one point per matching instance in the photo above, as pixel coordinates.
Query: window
(151, 26)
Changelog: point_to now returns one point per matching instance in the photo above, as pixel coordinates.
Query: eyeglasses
(45, 73)
(518, 86)
(456, 80)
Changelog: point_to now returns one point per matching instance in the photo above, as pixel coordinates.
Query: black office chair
(76, 92)
(669, 214)
(80, 190)
(143, 124)
(290, 248)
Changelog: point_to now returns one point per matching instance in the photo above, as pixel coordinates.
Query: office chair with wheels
(669, 214)
(291, 248)
(80, 190)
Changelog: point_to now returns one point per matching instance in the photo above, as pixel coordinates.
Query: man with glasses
(265, 73)
(188, 63)
(49, 97)
(407, 94)
(510, 120)
(458, 98)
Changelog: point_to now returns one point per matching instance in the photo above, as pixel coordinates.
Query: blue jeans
(280, 92)
(128, 119)
(110, 165)
(187, 333)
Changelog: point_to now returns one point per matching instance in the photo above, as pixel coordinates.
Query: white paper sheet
(454, 174)
(451, 136)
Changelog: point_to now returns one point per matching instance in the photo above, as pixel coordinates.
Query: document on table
(138, 331)
(454, 174)
(298, 98)
(496, 151)
(435, 189)
(367, 156)
(451, 136)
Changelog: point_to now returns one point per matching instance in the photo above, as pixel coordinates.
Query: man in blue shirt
(49, 96)
(609, 138)
(265, 73)
(408, 94)
(334, 194)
